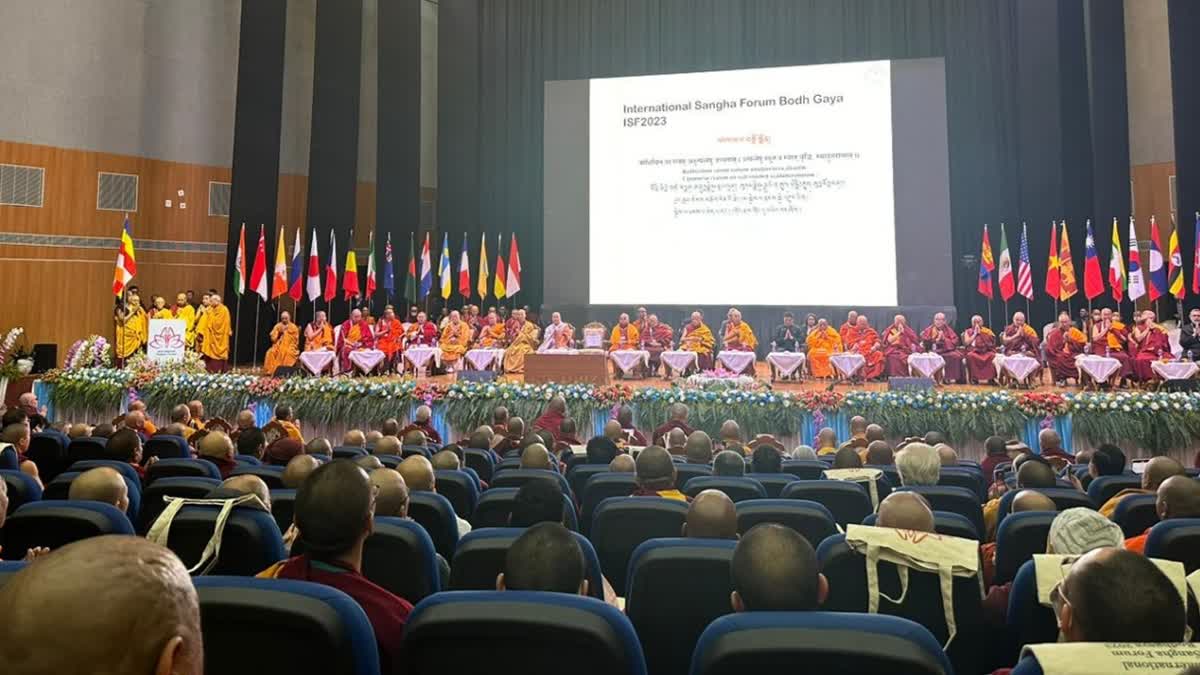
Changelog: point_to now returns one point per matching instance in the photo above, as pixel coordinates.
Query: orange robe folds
(866, 342)
(285, 348)
(623, 338)
(217, 329)
(525, 341)
(491, 337)
(188, 314)
(822, 345)
(698, 339)
(131, 333)
(389, 338)
(353, 336)
(454, 341)
(318, 338)
(1061, 349)
(739, 338)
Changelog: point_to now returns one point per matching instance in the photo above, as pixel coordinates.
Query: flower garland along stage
(1158, 421)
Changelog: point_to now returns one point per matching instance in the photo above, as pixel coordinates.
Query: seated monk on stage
(354, 334)
(1149, 343)
(656, 339)
(214, 335)
(285, 345)
(1020, 338)
(739, 337)
(421, 332)
(524, 342)
(389, 336)
(1064, 342)
(318, 336)
(900, 341)
(491, 333)
(980, 343)
(1110, 338)
(942, 339)
(512, 325)
(456, 337)
(624, 335)
(865, 341)
(846, 330)
(696, 337)
(823, 341)
(558, 335)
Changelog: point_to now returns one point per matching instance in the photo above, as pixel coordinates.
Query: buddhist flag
(1175, 260)
(426, 269)
(371, 284)
(1137, 285)
(1158, 275)
(410, 278)
(389, 278)
(239, 265)
(483, 268)
(312, 284)
(350, 272)
(1116, 266)
(258, 274)
(1093, 283)
(279, 282)
(1053, 274)
(331, 269)
(499, 289)
(444, 266)
(464, 271)
(295, 289)
(986, 265)
(512, 283)
(1006, 275)
(1024, 270)
(1066, 267)
(126, 262)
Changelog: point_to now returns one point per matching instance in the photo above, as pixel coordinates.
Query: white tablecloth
(925, 363)
(484, 359)
(1099, 368)
(736, 361)
(317, 362)
(626, 359)
(1175, 370)
(847, 363)
(1019, 366)
(366, 360)
(419, 356)
(786, 363)
(680, 360)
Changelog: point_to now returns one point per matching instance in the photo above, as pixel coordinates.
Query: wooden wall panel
(1152, 194)
(293, 202)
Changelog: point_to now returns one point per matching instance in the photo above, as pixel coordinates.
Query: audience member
(996, 453)
(537, 501)
(847, 458)
(535, 456)
(1113, 595)
(319, 446)
(879, 453)
(875, 433)
(601, 450)
(545, 558)
(388, 445)
(297, 469)
(368, 463)
(125, 445)
(766, 459)
(826, 442)
(656, 475)
(244, 484)
(711, 515)
(676, 441)
(513, 434)
(622, 464)
(18, 435)
(419, 477)
(1154, 473)
(282, 450)
(445, 460)
(1079, 530)
(612, 431)
(78, 430)
(391, 496)
(373, 437)
(632, 435)
(918, 464)
(551, 420)
(1107, 460)
(102, 430)
(102, 484)
(421, 422)
(500, 419)
(414, 438)
(729, 463)
(215, 447)
(252, 442)
(946, 454)
(1178, 497)
(1032, 473)
(1051, 445)
(699, 448)
(354, 438)
(677, 416)
(804, 452)
(906, 511)
(776, 569)
(390, 427)
(729, 434)
(283, 415)
(858, 431)
(934, 439)
(567, 433)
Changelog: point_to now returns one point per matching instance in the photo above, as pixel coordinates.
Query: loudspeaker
(910, 384)
(287, 371)
(477, 375)
(45, 357)
(1181, 385)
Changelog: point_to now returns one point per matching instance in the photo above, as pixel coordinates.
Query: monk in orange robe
(558, 335)
(697, 337)
(1149, 343)
(285, 345)
(455, 339)
(865, 341)
(525, 342)
(624, 335)
(823, 341)
(1064, 342)
(389, 335)
(980, 343)
(214, 335)
(900, 341)
(739, 337)
(422, 332)
(846, 331)
(354, 334)
(318, 335)
(491, 333)
(159, 311)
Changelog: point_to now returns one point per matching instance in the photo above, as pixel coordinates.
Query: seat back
(621, 524)
(964, 477)
(251, 460)
(407, 451)
(811, 519)
(889, 472)
(348, 452)
(738, 488)
(518, 477)
(283, 507)
(9, 568)
(436, 515)
(191, 487)
(944, 522)
(805, 469)
(56, 523)
(1018, 538)
(954, 499)
(847, 501)
(251, 541)
(496, 504)
(22, 489)
(86, 447)
(601, 487)
(171, 468)
(1064, 498)
(48, 450)
(1176, 539)
(667, 607)
(9, 461)
(1136, 514)
(398, 557)
(60, 489)
(480, 558)
(773, 483)
(480, 627)
(1103, 488)
(460, 488)
(480, 460)
(1029, 622)
(124, 468)
(508, 463)
(578, 475)
(163, 446)
(271, 475)
(825, 642)
(685, 472)
(279, 625)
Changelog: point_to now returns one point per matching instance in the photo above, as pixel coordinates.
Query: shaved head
(711, 515)
(730, 431)
(535, 457)
(355, 438)
(655, 470)
(414, 437)
(297, 470)
(613, 431)
(102, 484)
(388, 445)
(676, 438)
(774, 568)
(699, 448)
(368, 463)
(392, 496)
(875, 432)
(1178, 497)
(880, 453)
(946, 454)
(215, 444)
(129, 602)
(622, 464)
(1158, 470)
(249, 484)
(1035, 474)
(418, 473)
(1032, 500)
(906, 511)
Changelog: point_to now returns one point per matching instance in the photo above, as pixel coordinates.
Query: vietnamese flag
(1053, 275)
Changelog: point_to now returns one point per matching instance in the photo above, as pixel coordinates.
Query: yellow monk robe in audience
(186, 313)
(285, 345)
(491, 333)
(389, 335)
(215, 336)
(319, 334)
(697, 337)
(524, 342)
(455, 339)
(132, 329)
(823, 342)
(624, 336)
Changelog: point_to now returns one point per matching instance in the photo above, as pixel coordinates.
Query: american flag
(1024, 273)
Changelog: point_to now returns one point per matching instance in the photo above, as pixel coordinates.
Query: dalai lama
(980, 343)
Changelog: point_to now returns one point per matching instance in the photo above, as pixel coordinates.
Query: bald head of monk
(355, 438)
(905, 511)
(622, 464)
(391, 498)
(558, 404)
(535, 456)
(1178, 497)
(388, 445)
(414, 437)
(102, 484)
(1035, 474)
(711, 515)
(730, 432)
(148, 619)
(418, 473)
(613, 431)
(826, 438)
(445, 460)
(858, 425)
(215, 444)
(249, 484)
(368, 463)
(698, 449)
(946, 454)
(1032, 500)
(880, 453)
(318, 446)
(1158, 470)
(875, 433)
(655, 470)
(676, 440)
(297, 470)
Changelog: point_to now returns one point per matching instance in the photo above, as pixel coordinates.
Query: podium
(567, 368)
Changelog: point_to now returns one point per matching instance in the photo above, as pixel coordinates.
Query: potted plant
(23, 357)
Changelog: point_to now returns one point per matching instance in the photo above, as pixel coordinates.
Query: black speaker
(910, 384)
(45, 357)
(1181, 385)
(477, 375)
(287, 371)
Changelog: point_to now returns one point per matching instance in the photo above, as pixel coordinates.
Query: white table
(736, 361)
(1099, 368)
(847, 363)
(678, 361)
(420, 356)
(1019, 366)
(317, 361)
(485, 359)
(925, 363)
(366, 360)
(786, 363)
(627, 359)
(1175, 370)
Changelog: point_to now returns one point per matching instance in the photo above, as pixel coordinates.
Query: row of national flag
(1123, 280)
(296, 280)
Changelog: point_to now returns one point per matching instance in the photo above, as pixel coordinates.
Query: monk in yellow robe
(389, 335)
(739, 337)
(524, 342)
(624, 335)
(318, 336)
(491, 333)
(285, 345)
(132, 329)
(455, 339)
(696, 337)
(186, 313)
(823, 342)
(160, 310)
(214, 336)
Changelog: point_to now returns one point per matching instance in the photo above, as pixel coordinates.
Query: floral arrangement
(1048, 405)
(721, 378)
(9, 353)
(92, 351)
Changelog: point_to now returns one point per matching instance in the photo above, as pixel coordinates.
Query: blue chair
(9, 461)
(480, 558)
(582, 635)
(390, 461)
(964, 477)
(482, 461)
(1019, 537)
(738, 488)
(48, 450)
(22, 489)
(191, 487)
(8, 568)
(1176, 539)
(278, 625)
(56, 523)
(668, 609)
(847, 501)
(954, 499)
(163, 446)
(496, 504)
(1103, 488)
(811, 519)
(460, 488)
(348, 452)
(124, 468)
(518, 477)
(889, 472)
(621, 524)
(271, 475)
(1029, 622)
(87, 447)
(805, 469)
(399, 557)
(685, 472)
(825, 642)
(60, 488)
(1064, 498)
(1136, 514)
(407, 451)
(601, 487)
(251, 542)
(944, 522)
(436, 515)
(578, 475)
(773, 483)
(247, 460)
(173, 468)
(283, 507)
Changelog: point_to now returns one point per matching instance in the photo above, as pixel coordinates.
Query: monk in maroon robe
(552, 419)
(1063, 343)
(980, 343)
(1149, 344)
(1020, 338)
(421, 332)
(354, 333)
(899, 342)
(941, 339)
(656, 339)
(1110, 337)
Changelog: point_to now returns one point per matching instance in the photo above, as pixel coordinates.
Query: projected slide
(771, 186)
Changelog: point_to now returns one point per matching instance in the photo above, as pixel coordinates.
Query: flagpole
(257, 307)
(237, 316)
